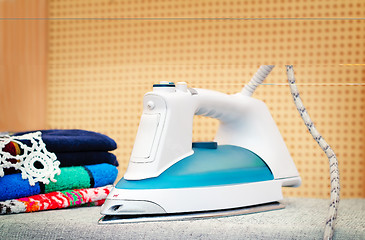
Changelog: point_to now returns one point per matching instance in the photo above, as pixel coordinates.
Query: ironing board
(301, 219)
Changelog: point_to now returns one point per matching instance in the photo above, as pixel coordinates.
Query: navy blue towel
(69, 159)
(75, 140)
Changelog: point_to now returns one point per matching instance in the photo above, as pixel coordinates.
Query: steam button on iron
(182, 86)
(208, 145)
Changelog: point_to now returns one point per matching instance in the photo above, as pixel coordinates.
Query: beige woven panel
(100, 66)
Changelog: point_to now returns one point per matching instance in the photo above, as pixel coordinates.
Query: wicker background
(104, 55)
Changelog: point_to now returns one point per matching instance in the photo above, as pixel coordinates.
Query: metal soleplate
(111, 219)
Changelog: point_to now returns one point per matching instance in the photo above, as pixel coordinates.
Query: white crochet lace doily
(35, 162)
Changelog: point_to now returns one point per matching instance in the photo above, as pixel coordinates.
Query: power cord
(334, 172)
(248, 90)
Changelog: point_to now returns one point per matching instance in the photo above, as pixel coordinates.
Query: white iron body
(165, 137)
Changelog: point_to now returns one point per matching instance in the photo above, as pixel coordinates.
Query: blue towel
(75, 140)
(13, 186)
(69, 159)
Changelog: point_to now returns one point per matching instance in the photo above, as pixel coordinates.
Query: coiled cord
(257, 79)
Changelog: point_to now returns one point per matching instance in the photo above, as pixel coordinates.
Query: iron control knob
(150, 105)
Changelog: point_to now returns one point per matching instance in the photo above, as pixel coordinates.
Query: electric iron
(169, 176)
(242, 171)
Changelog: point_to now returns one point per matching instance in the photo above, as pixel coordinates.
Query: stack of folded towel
(87, 172)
